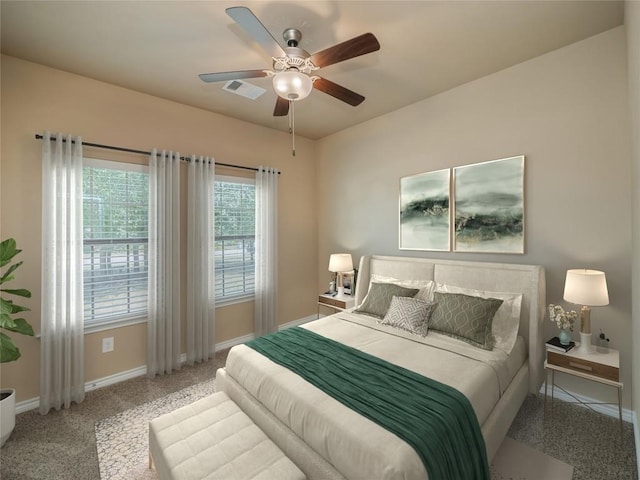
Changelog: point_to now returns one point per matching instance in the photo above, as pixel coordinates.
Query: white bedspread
(357, 447)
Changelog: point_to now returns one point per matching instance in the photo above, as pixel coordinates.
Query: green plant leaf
(8, 250)
(8, 351)
(7, 277)
(21, 292)
(7, 322)
(18, 308)
(21, 326)
(6, 306)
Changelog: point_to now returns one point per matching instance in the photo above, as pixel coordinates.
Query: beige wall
(37, 98)
(632, 27)
(566, 111)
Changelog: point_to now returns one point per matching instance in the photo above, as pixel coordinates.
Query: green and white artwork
(424, 211)
(489, 206)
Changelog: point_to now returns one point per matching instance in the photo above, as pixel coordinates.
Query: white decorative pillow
(425, 287)
(410, 314)
(506, 321)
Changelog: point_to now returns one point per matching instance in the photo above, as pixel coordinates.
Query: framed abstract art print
(424, 211)
(489, 206)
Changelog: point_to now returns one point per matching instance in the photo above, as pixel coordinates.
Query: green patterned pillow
(465, 317)
(377, 301)
(410, 314)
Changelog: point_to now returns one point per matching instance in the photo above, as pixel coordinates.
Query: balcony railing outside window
(115, 278)
(235, 266)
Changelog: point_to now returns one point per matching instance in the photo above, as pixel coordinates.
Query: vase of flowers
(564, 320)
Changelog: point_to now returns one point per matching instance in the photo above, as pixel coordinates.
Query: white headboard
(495, 277)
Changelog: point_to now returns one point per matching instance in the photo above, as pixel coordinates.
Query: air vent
(244, 89)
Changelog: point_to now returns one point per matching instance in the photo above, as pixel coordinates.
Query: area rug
(123, 444)
(123, 439)
(517, 461)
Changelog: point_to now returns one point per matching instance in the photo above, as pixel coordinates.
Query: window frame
(126, 320)
(246, 297)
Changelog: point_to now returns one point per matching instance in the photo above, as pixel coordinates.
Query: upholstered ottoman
(213, 439)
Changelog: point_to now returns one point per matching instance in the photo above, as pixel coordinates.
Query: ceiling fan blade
(338, 91)
(282, 107)
(225, 76)
(250, 23)
(365, 43)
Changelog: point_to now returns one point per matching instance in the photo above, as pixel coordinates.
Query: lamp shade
(340, 262)
(586, 287)
(292, 85)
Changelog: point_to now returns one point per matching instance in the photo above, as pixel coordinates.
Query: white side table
(337, 303)
(602, 366)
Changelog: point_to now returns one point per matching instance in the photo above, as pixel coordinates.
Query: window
(115, 236)
(235, 200)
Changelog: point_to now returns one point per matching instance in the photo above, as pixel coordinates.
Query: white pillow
(506, 321)
(426, 287)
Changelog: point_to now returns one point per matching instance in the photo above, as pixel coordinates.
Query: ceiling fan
(293, 66)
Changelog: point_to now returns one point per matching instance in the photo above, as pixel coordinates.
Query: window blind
(235, 238)
(115, 237)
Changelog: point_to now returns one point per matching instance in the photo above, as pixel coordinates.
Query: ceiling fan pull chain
(292, 126)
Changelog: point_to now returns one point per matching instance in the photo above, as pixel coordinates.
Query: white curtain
(266, 305)
(163, 326)
(62, 321)
(200, 260)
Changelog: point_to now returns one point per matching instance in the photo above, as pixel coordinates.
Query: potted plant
(8, 350)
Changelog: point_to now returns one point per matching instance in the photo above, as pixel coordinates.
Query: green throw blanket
(435, 419)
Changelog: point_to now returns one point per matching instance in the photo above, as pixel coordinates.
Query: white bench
(213, 439)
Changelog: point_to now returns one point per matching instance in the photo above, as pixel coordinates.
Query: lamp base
(585, 344)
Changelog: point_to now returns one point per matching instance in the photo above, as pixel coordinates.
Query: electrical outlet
(107, 344)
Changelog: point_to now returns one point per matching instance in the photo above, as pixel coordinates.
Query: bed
(328, 440)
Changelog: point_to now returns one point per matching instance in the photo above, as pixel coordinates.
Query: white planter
(7, 414)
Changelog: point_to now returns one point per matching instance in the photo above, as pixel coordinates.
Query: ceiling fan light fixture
(292, 85)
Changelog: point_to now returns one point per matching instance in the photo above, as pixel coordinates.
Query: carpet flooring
(62, 444)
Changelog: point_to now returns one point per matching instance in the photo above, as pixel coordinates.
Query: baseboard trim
(605, 409)
(234, 341)
(636, 436)
(300, 321)
(27, 405)
(34, 403)
(115, 378)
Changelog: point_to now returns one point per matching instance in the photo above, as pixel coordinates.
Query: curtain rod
(142, 152)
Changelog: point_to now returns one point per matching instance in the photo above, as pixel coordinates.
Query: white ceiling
(427, 47)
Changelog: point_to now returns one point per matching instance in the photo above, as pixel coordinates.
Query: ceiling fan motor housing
(292, 36)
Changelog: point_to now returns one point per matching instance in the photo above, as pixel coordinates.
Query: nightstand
(601, 365)
(337, 303)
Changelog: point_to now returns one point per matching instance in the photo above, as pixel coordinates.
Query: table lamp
(589, 289)
(340, 263)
